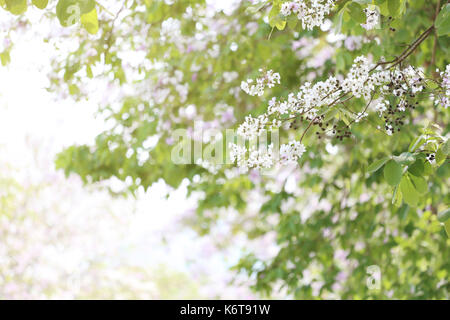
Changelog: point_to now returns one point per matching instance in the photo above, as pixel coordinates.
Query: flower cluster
(252, 127)
(257, 157)
(358, 80)
(291, 152)
(170, 30)
(361, 81)
(364, 80)
(372, 19)
(262, 157)
(443, 98)
(307, 100)
(381, 106)
(310, 12)
(256, 88)
(431, 157)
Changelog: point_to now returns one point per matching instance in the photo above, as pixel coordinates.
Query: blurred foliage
(41, 243)
(375, 201)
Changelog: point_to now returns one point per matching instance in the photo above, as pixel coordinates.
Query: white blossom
(238, 154)
(364, 80)
(291, 152)
(372, 19)
(431, 158)
(360, 116)
(253, 127)
(230, 76)
(381, 106)
(443, 98)
(170, 30)
(389, 129)
(257, 157)
(311, 12)
(256, 88)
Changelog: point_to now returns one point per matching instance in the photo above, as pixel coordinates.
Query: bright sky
(28, 112)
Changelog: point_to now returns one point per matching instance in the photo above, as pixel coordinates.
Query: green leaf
(440, 157)
(446, 147)
(403, 211)
(86, 5)
(73, 89)
(397, 197)
(343, 117)
(443, 216)
(339, 19)
(384, 10)
(377, 165)
(404, 158)
(393, 173)
(417, 168)
(292, 22)
(89, 71)
(41, 4)
(330, 114)
(277, 21)
(69, 11)
(356, 12)
(447, 227)
(442, 22)
(394, 7)
(16, 6)
(255, 8)
(281, 24)
(416, 143)
(410, 195)
(420, 184)
(90, 21)
(427, 168)
(5, 58)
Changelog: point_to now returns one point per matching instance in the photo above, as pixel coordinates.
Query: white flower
(431, 158)
(260, 158)
(360, 116)
(257, 88)
(311, 12)
(443, 97)
(230, 76)
(357, 80)
(372, 19)
(286, 9)
(291, 152)
(381, 106)
(170, 30)
(389, 129)
(257, 158)
(263, 157)
(402, 105)
(238, 155)
(253, 127)
(364, 80)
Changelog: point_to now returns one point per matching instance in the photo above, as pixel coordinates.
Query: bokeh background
(112, 224)
(60, 239)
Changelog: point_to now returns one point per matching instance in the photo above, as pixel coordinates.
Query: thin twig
(407, 52)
